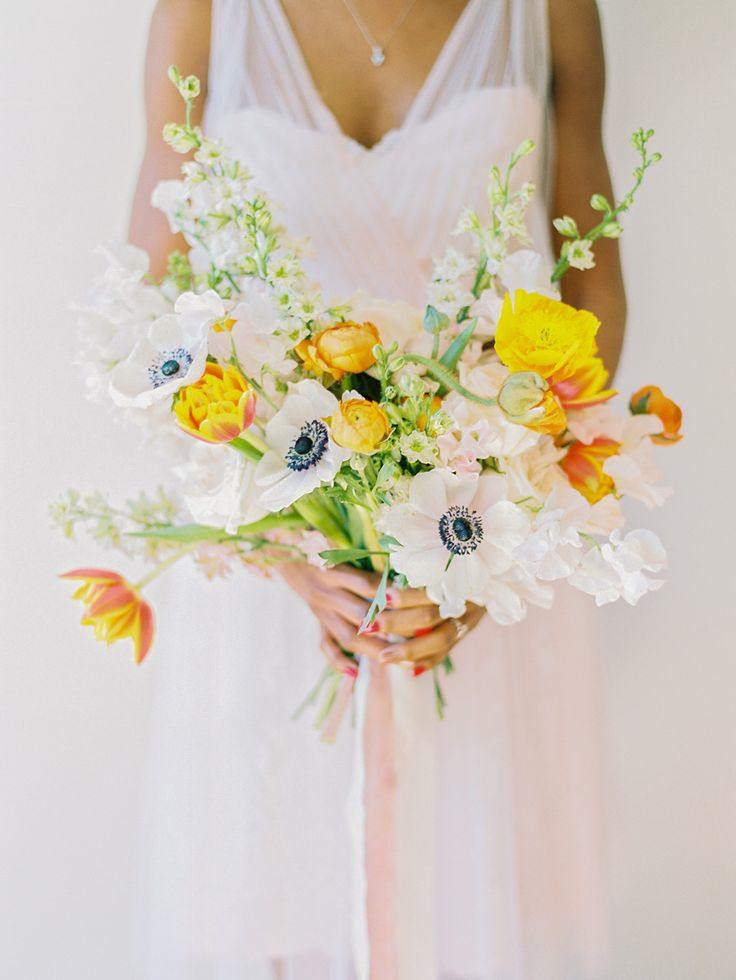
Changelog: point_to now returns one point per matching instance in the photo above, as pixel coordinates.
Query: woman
(473, 841)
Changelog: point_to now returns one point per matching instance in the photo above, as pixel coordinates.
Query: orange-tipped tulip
(114, 608)
(218, 407)
(651, 400)
(584, 468)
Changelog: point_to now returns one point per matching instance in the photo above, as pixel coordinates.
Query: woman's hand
(431, 646)
(339, 598)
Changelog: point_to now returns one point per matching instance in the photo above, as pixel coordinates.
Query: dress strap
(496, 43)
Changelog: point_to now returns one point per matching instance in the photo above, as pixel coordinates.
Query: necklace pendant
(378, 55)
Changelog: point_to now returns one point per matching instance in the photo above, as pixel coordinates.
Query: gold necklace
(378, 49)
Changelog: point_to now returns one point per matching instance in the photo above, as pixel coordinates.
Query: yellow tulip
(218, 407)
(536, 333)
(526, 399)
(345, 348)
(114, 608)
(359, 425)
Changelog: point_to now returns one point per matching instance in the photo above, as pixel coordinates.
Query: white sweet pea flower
(595, 422)
(249, 332)
(615, 570)
(397, 322)
(302, 454)
(552, 550)
(632, 469)
(527, 270)
(171, 354)
(230, 502)
(456, 536)
(508, 597)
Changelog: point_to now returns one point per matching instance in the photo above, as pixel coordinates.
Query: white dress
(254, 836)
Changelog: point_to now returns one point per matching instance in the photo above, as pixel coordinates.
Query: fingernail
(373, 628)
(423, 631)
(387, 655)
(390, 597)
(418, 671)
(350, 671)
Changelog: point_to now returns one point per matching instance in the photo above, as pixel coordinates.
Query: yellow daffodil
(114, 608)
(359, 425)
(536, 333)
(218, 407)
(345, 348)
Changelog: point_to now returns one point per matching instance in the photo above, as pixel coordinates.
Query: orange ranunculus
(583, 466)
(345, 348)
(217, 407)
(526, 399)
(360, 425)
(651, 400)
(586, 387)
(114, 608)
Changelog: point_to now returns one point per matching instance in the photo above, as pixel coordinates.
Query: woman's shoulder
(192, 16)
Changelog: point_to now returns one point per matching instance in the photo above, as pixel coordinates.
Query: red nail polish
(373, 628)
(418, 671)
(390, 598)
(423, 631)
(351, 671)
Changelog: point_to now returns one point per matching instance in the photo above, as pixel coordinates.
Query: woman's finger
(347, 636)
(335, 657)
(437, 642)
(364, 584)
(406, 622)
(347, 604)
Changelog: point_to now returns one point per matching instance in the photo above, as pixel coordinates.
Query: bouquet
(468, 449)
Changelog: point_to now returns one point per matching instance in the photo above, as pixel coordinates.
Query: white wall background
(75, 721)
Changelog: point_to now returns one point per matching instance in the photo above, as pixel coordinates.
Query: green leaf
(448, 379)
(271, 521)
(454, 352)
(184, 533)
(342, 556)
(379, 601)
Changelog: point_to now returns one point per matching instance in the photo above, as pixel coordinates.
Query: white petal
(428, 493)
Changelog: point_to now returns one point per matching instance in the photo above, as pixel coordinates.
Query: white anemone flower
(302, 455)
(455, 536)
(615, 570)
(172, 353)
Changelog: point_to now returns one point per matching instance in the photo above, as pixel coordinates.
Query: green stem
(163, 565)
(445, 377)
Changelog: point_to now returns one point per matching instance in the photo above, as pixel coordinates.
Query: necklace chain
(378, 48)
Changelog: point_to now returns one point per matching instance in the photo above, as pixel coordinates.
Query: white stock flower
(552, 550)
(632, 469)
(616, 569)
(417, 447)
(302, 455)
(579, 254)
(456, 536)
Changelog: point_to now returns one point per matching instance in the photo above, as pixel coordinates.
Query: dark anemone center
(309, 446)
(303, 445)
(463, 530)
(460, 530)
(169, 368)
